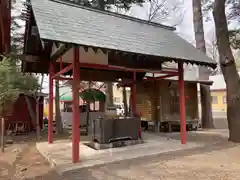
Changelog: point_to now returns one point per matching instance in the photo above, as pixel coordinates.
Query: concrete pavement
(59, 153)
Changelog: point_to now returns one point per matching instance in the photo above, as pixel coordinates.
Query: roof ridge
(114, 14)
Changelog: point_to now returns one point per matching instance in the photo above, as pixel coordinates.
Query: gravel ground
(213, 162)
(219, 161)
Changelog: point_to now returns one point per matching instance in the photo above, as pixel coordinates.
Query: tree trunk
(57, 109)
(229, 70)
(206, 105)
(38, 129)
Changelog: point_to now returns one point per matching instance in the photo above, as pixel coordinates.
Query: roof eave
(212, 65)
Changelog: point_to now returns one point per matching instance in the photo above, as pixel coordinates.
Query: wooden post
(134, 103)
(76, 114)
(88, 108)
(182, 104)
(2, 134)
(124, 94)
(37, 118)
(50, 110)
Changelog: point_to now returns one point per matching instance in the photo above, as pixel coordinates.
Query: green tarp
(87, 95)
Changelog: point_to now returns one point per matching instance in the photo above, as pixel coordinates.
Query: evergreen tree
(17, 33)
(12, 83)
(12, 80)
(107, 4)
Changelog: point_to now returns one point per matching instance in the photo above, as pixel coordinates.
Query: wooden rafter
(61, 51)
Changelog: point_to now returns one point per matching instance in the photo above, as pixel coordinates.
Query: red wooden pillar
(182, 104)
(76, 113)
(50, 107)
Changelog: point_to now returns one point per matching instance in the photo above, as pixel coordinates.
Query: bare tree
(161, 11)
(212, 51)
(165, 11)
(206, 105)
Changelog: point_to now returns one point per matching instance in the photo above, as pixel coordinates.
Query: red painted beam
(182, 106)
(118, 68)
(50, 107)
(147, 79)
(76, 114)
(64, 70)
(61, 63)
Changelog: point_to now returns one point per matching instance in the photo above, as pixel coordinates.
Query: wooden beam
(119, 68)
(64, 78)
(159, 78)
(30, 58)
(61, 51)
(101, 86)
(62, 71)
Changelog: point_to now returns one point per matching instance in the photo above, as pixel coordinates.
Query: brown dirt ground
(22, 161)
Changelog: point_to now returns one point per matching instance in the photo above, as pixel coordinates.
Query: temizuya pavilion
(63, 38)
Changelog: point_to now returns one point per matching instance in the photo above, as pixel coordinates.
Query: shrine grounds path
(219, 159)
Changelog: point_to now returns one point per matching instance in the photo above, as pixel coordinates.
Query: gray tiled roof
(85, 26)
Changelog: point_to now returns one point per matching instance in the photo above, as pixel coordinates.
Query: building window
(224, 99)
(214, 100)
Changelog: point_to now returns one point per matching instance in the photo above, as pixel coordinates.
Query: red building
(24, 113)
